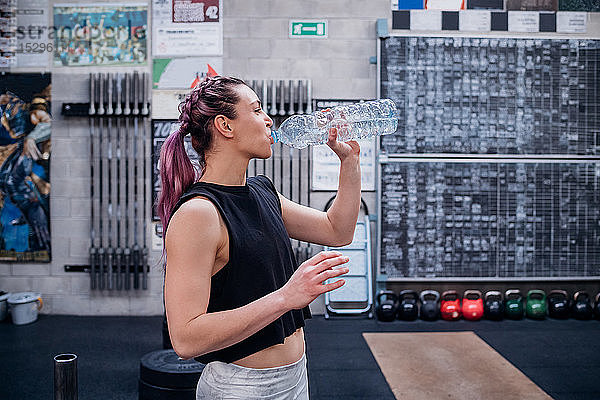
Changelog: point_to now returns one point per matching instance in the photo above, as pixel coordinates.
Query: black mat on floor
(108, 350)
(562, 357)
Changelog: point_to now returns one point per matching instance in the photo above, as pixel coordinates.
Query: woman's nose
(269, 121)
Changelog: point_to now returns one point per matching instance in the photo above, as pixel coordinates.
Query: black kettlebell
(430, 305)
(597, 306)
(558, 304)
(581, 307)
(387, 308)
(493, 307)
(408, 310)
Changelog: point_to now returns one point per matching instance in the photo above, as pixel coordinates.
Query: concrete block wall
(256, 46)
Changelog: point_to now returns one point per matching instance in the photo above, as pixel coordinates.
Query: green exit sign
(308, 28)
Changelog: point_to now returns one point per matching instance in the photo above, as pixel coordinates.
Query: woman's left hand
(343, 150)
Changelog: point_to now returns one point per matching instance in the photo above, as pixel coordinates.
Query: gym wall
(255, 46)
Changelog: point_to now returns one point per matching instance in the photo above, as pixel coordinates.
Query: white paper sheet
(571, 22)
(523, 21)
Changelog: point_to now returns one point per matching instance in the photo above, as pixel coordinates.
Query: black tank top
(261, 259)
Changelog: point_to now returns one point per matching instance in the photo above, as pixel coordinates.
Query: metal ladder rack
(356, 296)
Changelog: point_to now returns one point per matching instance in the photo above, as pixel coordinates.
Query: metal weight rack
(356, 296)
(118, 112)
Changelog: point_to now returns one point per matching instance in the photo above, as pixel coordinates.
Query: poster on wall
(183, 73)
(25, 167)
(160, 131)
(184, 28)
(100, 34)
(165, 103)
(34, 38)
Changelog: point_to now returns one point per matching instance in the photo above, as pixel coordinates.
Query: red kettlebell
(472, 305)
(450, 306)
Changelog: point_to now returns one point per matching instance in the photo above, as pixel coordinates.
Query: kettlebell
(581, 307)
(472, 305)
(409, 305)
(387, 308)
(513, 304)
(558, 304)
(597, 307)
(430, 305)
(536, 304)
(450, 307)
(493, 307)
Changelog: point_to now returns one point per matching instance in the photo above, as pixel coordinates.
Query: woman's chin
(268, 153)
(264, 154)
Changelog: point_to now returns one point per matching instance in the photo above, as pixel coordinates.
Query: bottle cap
(275, 135)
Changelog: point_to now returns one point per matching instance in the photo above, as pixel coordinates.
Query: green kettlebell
(513, 306)
(536, 304)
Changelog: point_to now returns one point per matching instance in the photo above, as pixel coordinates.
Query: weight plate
(163, 368)
(151, 392)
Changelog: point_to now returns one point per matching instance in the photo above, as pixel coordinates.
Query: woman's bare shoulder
(195, 205)
(197, 216)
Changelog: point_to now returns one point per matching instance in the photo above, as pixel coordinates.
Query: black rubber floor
(562, 357)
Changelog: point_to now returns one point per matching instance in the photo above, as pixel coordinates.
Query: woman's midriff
(278, 355)
(292, 348)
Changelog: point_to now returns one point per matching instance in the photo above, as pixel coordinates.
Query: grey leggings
(220, 381)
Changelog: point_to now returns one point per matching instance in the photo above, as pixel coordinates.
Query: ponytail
(176, 174)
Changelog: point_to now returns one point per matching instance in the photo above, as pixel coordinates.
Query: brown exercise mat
(448, 365)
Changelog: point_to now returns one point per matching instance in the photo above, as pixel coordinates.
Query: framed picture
(100, 34)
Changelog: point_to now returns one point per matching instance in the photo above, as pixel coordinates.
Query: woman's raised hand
(306, 284)
(343, 150)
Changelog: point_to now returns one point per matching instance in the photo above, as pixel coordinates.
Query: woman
(235, 297)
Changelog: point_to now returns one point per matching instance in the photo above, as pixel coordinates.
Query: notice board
(494, 169)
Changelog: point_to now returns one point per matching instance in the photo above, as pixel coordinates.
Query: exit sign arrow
(308, 29)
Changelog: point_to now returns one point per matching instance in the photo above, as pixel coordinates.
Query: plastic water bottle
(355, 121)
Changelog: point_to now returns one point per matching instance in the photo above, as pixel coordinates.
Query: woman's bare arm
(193, 239)
(336, 226)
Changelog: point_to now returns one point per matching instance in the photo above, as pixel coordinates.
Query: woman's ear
(223, 126)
